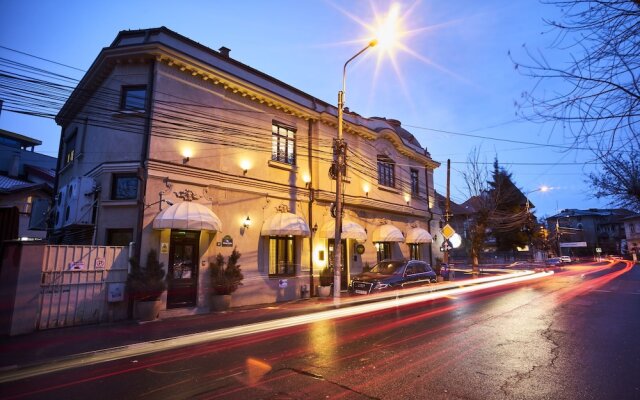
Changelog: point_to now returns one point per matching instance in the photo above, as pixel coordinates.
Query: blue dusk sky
(452, 83)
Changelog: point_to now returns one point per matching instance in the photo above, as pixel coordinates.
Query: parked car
(390, 274)
(553, 263)
(565, 259)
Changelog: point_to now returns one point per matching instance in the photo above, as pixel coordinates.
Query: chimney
(224, 51)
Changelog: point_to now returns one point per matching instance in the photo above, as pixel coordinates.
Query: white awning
(285, 224)
(418, 235)
(188, 215)
(350, 230)
(387, 233)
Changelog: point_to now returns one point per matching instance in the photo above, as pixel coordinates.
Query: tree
(595, 94)
(492, 203)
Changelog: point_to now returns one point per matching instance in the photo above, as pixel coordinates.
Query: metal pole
(339, 148)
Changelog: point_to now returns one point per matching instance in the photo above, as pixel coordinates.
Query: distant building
(632, 235)
(26, 186)
(584, 232)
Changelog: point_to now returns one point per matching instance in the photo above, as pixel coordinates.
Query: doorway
(182, 282)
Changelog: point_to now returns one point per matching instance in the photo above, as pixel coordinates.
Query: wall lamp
(186, 155)
(246, 223)
(315, 228)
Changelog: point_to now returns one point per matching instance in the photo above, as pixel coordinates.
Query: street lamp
(339, 153)
(387, 34)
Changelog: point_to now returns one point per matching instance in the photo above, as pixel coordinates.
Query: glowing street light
(386, 35)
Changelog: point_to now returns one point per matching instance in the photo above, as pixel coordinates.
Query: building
(588, 233)
(632, 236)
(176, 147)
(26, 186)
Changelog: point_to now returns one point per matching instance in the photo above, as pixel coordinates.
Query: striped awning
(387, 233)
(350, 230)
(418, 235)
(285, 224)
(188, 215)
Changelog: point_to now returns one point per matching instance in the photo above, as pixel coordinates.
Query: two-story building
(170, 145)
(632, 235)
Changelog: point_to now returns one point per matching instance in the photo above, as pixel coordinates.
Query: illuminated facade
(160, 120)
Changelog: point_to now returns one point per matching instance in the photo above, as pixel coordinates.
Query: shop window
(386, 171)
(282, 251)
(383, 250)
(415, 251)
(119, 237)
(283, 144)
(133, 98)
(124, 187)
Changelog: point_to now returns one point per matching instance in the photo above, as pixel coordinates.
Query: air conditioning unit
(79, 200)
(59, 208)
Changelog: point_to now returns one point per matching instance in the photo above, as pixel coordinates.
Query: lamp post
(339, 156)
(528, 231)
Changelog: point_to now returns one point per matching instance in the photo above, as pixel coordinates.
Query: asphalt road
(574, 335)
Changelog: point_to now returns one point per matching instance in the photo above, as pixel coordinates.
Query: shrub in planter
(147, 283)
(225, 280)
(326, 276)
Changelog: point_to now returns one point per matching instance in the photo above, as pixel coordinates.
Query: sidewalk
(48, 345)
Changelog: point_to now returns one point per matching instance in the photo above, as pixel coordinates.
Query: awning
(350, 230)
(418, 235)
(187, 215)
(387, 233)
(285, 224)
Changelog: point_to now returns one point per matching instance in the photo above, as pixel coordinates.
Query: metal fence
(82, 285)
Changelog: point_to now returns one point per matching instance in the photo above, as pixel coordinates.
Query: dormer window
(386, 171)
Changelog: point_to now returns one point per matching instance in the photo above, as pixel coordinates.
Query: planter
(324, 291)
(148, 310)
(220, 302)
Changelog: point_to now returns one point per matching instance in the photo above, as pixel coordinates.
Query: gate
(74, 285)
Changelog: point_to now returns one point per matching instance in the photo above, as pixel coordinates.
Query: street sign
(448, 231)
(598, 250)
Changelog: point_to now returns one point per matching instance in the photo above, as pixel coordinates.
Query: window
(283, 144)
(124, 187)
(119, 237)
(383, 250)
(282, 252)
(133, 98)
(415, 252)
(415, 183)
(70, 147)
(386, 171)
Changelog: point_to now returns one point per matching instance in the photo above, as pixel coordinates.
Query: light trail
(139, 349)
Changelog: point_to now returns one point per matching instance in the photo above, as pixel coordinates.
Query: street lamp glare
(387, 33)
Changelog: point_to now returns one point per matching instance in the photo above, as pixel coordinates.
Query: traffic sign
(448, 231)
(598, 250)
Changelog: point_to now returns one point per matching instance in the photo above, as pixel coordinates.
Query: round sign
(360, 248)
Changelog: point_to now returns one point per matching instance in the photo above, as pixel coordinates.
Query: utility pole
(447, 213)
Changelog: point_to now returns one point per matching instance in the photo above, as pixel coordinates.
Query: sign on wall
(227, 241)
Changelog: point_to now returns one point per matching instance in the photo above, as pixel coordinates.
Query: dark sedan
(390, 274)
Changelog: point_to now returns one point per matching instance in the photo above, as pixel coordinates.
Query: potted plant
(325, 280)
(145, 285)
(224, 280)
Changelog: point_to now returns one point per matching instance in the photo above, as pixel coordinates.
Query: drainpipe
(310, 154)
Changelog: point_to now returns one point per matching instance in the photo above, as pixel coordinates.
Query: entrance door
(344, 278)
(183, 269)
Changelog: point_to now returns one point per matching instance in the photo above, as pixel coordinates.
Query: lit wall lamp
(245, 165)
(246, 223)
(407, 198)
(186, 155)
(366, 190)
(307, 180)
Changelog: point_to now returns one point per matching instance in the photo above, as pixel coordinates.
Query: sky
(451, 82)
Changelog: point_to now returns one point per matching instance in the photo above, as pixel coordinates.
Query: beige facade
(244, 145)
